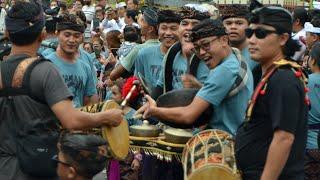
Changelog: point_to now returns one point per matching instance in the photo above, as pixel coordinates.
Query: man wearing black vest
(34, 101)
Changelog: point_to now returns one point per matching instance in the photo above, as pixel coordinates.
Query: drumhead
(197, 138)
(214, 171)
(117, 137)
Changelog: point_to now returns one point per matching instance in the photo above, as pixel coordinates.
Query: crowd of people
(257, 67)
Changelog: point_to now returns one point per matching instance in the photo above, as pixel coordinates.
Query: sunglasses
(55, 161)
(259, 32)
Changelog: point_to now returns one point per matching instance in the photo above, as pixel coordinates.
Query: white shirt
(133, 24)
(89, 11)
(109, 25)
(300, 37)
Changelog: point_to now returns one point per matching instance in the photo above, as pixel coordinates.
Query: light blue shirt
(229, 112)
(77, 76)
(45, 51)
(149, 64)
(128, 61)
(314, 113)
(251, 63)
(180, 66)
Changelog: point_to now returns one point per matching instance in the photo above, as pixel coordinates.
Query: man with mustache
(76, 72)
(271, 142)
(235, 19)
(150, 60)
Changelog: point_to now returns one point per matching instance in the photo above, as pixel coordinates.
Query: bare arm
(183, 115)
(117, 72)
(278, 154)
(72, 118)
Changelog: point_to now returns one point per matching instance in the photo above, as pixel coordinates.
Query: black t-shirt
(47, 85)
(283, 108)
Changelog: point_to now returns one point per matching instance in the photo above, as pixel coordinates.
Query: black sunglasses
(259, 32)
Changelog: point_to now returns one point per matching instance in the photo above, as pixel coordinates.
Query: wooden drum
(116, 137)
(210, 155)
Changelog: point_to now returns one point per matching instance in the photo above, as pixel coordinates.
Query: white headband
(308, 27)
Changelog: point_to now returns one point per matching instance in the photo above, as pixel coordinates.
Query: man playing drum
(211, 45)
(34, 100)
(270, 144)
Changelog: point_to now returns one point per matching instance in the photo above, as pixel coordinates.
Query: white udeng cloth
(308, 27)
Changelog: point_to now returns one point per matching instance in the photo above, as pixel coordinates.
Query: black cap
(277, 17)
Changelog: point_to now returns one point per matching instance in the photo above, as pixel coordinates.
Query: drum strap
(261, 88)
(168, 67)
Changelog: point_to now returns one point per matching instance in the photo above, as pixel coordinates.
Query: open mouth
(187, 37)
(206, 59)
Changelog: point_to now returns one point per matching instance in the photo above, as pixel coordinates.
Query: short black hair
(136, 2)
(168, 16)
(100, 11)
(301, 14)
(132, 14)
(26, 11)
(84, 152)
(130, 33)
(51, 26)
(314, 13)
(316, 23)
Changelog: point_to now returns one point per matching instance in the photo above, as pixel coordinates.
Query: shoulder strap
(168, 67)
(195, 61)
(242, 77)
(20, 83)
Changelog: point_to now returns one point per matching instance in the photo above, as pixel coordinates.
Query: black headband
(207, 28)
(236, 11)
(14, 25)
(277, 17)
(67, 25)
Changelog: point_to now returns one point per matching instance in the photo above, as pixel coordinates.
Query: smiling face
(184, 31)
(168, 34)
(69, 41)
(236, 30)
(211, 49)
(185, 28)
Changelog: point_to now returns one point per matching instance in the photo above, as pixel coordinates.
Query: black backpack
(35, 144)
